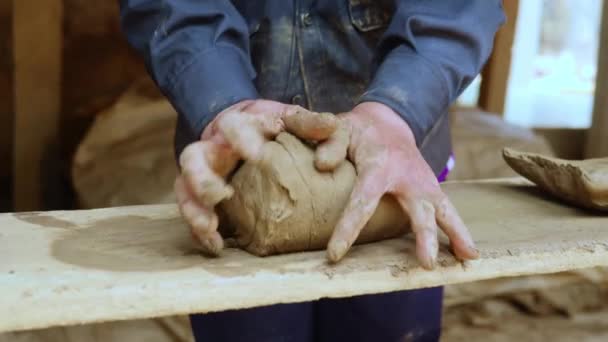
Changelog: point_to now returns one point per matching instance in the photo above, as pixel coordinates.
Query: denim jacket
(415, 56)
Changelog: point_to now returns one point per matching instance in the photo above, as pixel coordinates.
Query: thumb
(310, 125)
(330, 153)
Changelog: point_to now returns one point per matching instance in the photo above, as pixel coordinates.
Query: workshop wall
(98, 65)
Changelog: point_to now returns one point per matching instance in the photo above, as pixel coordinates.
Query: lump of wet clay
(284, 204)
(583, 183)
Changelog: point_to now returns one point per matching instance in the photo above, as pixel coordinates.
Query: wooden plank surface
(495, 75)
(61, 268)
(37, 45)
(597, 138)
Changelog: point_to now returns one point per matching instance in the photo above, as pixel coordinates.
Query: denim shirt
(415, 56)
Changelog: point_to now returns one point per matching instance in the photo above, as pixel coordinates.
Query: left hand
(239, 133)
(383, 149)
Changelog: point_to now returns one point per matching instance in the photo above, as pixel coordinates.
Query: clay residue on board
(394, 256)
(129, 243)
(141, 244)
(45, 220)
(583, 182)
(132, 243)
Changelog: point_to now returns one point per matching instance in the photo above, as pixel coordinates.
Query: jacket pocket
(369, 15)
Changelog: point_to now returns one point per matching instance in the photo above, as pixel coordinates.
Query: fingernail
(337, 250)
(433, 249)
(474, 251)
(326, 165)
(212, 246)
(429, 263)
(214, 192)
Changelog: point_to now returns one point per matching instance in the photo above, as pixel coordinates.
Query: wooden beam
(37, 45)
(495, 75)
(6, 104)
(597, 141)
(72, 267)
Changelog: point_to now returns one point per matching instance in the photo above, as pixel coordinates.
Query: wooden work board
(72, 267)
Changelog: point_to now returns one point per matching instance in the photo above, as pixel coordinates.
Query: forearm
(429, 54)
(197, 52)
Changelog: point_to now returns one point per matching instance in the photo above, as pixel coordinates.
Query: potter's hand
(238, 133)
(383, 150)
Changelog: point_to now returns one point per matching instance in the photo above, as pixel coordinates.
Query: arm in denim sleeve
(429, 54)
(196, 51)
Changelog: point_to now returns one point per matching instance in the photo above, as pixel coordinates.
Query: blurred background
(82, 126)
(553, 65)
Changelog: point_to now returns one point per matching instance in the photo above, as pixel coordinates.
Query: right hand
(239, 133)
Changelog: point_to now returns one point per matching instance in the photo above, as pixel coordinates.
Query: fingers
(363, 202)
(324, 127)
(205, 184)
(203, 222)
(424, 226)
(425, 216)
(247, 133)
(310, 125)
(201, 185)
(333, 151)
(460, 237)
(244, 137)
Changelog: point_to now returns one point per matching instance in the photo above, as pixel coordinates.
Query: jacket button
(306, 19)
(297, 100)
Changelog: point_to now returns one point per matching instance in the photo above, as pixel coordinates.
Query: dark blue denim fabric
(416, 56)
(404, 316)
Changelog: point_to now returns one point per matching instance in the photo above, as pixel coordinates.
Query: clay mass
(582, 183)
(284, 204)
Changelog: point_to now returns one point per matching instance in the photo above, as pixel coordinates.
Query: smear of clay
(284, 204)
(141, 244)
(129, 243)
(582, 182)
(44, 220)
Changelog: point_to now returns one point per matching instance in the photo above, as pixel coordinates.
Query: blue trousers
(396, 316)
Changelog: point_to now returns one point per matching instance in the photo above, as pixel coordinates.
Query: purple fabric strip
(443, 176)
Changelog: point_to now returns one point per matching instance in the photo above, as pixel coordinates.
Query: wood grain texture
(62, 268)
(597, 137)
(495, 75)
(37, 46)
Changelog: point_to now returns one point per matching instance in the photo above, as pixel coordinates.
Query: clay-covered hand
(238, 133)
(383, 149)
